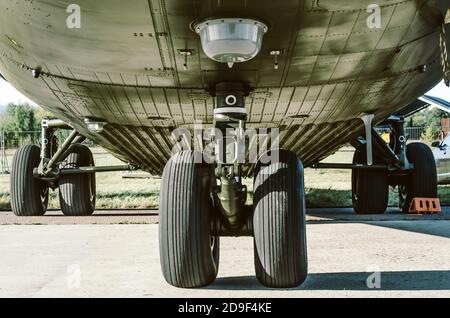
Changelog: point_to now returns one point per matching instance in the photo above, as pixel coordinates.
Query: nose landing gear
(200, 202)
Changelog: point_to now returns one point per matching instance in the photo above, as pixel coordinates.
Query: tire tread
(373, 187)
(25, 189)
(279, 223)
(185, 207)
(74, 194)
(422, 182)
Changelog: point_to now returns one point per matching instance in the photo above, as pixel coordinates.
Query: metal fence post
(4, 168)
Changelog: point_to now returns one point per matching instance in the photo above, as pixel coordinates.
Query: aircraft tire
(29, 195)
(370, 188)
(279, 225)
(422, 181)
(189, 254)
(77, 191)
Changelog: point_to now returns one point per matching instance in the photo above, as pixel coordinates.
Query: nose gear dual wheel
(189, 253)
(279, 222)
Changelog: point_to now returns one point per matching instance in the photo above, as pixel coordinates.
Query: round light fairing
(231, 40)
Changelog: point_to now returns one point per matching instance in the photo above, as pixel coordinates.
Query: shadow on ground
(402, 280)
(391, 219)
(428, 227)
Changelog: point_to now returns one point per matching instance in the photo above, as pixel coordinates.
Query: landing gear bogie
(69, 167)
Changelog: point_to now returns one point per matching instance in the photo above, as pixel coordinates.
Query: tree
(428, 136)
(430, 119)
(20, 124)
(20, 117)
(40, 113)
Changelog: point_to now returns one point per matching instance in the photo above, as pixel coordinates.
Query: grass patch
(315, 198)
(117, 200)
(324, 198)
(128, 200)
(4, 201)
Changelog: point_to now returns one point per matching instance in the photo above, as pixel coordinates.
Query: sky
(9, 94)
(440, 91)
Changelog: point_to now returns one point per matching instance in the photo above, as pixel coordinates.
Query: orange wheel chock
(425, 205)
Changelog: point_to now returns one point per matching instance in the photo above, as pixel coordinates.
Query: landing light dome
(231, 40)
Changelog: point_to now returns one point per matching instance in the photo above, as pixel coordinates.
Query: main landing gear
(377, 165)
(69, 168)
(200, 202)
